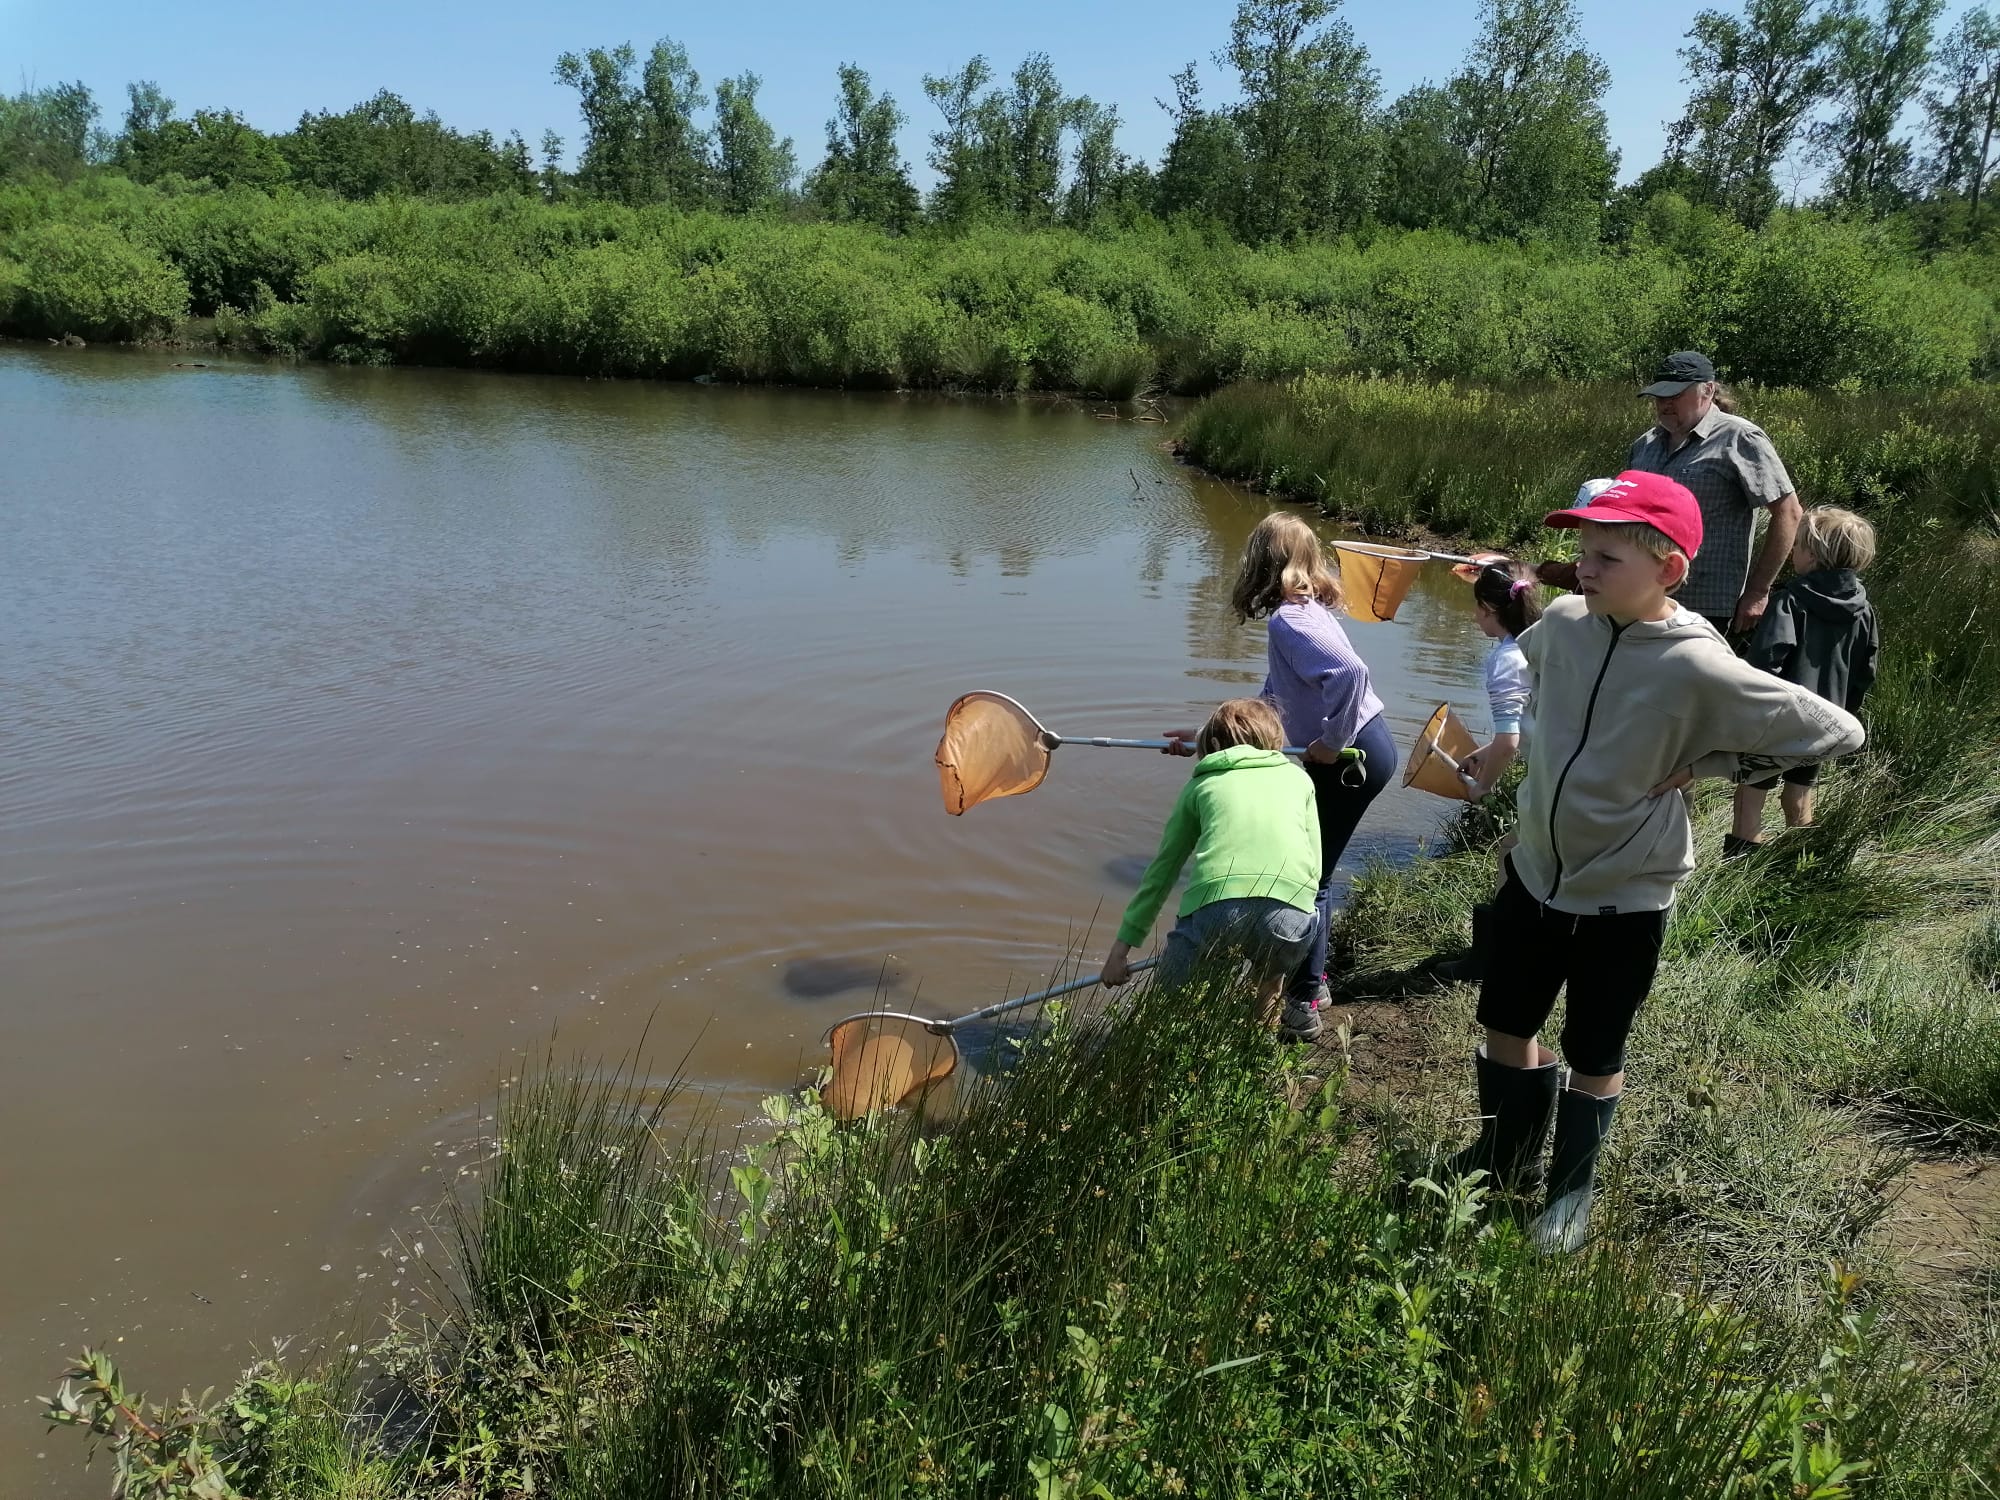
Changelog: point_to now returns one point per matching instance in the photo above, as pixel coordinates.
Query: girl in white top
(1505, 603)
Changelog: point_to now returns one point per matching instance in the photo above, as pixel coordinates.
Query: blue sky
(489, 64)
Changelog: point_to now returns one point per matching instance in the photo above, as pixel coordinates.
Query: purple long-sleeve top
(1319, 684)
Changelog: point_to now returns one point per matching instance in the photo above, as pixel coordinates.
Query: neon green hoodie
(1247, 817)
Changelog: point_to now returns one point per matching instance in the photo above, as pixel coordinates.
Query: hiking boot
(1582, 1123)
(1515, 1105)
(1470, 966)
(1301, 1022)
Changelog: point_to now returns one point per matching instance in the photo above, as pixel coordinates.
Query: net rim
(1015, 703)
(1425, 743)
(936, 1025)
(1384, 550)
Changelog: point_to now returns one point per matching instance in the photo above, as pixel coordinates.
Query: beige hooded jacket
(1620, 707)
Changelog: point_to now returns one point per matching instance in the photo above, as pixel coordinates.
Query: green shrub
(359, 304)
(1815, 304)
(482, 282)
(90, 281)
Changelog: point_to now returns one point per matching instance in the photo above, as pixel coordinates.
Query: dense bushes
(512, 283)
(90, 281)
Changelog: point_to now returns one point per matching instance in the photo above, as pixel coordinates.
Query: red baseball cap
(1635, 495)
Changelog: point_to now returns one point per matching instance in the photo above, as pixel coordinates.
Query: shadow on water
(820, 978)
(1127, 869)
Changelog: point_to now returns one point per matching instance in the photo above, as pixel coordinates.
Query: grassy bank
(1486, 464)
(1166, 1258)
(1159, 1262)
(601, 289)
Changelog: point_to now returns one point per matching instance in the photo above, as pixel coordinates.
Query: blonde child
(1820, 633)
(1327, 703)
(1635, 696)
(1246, 819)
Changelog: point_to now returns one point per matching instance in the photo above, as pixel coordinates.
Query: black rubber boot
(1516, 1104)
(1470, 967)
(1582, 1123)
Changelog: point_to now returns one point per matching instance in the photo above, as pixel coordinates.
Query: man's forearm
(1778, 538)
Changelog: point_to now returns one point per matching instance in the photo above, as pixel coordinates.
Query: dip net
(880, 1060)
(1436, 756)
(992, 747)
(1374, 578)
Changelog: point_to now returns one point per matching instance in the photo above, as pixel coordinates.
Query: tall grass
(601, 289)
(1156, 1259)
(1398, 454)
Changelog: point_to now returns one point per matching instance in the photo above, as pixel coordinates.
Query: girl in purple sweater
(1321, 690)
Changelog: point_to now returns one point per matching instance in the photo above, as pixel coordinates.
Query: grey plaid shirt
(1733, 471)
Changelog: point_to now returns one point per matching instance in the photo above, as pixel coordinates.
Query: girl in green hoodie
(1248, 820)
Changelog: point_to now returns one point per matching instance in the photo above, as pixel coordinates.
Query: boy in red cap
(1634, 697)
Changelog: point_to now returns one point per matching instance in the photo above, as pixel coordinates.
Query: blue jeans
(1273, 936)
(1340, 810)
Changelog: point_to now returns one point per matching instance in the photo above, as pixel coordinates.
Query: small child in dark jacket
(1819, 633)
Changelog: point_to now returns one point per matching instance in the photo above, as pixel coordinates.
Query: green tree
(1101, 176)
(1203, 172)
(1879, 64)
(863, 176)
(147, 110)
(968, 177)
(640, 142)
(1963, 108)
(1000, 151)
(613, 162)
(753, 168)
(550, 179)
(1537, 144)
(517, 162)
(1516, 143)
(1755, 79)
(1306, 118)
(382, 145)
(50, 130)
(1025, 129)
(676, 149)
(215, 145)
(1425, 162)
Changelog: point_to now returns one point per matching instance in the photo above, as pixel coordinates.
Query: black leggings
(1340, 809)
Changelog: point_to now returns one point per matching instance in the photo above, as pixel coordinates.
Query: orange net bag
(1374, 579)
(881, 1059)
(1434, 760)
(992, 747)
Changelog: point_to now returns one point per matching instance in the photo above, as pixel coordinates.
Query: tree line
(1892, 114)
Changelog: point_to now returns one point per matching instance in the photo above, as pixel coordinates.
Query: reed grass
(1401, 455)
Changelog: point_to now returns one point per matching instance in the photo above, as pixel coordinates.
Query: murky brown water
(358, 729)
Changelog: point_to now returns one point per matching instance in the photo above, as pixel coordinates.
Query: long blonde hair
(1282, 558)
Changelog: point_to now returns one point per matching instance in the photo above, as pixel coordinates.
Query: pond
(365, 731)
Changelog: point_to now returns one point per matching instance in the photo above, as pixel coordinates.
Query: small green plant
(158, 1452)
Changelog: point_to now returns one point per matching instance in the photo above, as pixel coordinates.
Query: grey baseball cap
(1679, 371)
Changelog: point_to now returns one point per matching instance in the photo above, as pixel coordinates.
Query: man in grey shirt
(1734, 472)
